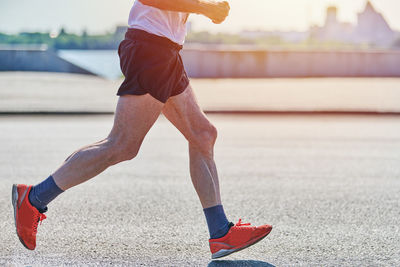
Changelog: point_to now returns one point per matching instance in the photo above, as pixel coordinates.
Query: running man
(155, 82)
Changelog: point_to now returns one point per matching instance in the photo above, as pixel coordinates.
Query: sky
(99, 16)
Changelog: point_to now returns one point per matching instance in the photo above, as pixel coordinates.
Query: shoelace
(40, 217)
(242, 224)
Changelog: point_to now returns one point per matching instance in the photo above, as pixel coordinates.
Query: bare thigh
(186, 115)
(134, 117)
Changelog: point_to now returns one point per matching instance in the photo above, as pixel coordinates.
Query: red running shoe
(26, 216)
(240, 236)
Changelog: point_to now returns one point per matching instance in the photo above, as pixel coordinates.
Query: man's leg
(134, 117)
(186, 115)
(226, 238)
(184, 112)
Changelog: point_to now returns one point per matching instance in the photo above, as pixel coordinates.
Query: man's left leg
(186, 115)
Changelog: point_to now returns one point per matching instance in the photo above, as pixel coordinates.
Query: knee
(204, 139)
(122, 150)
(129, 153)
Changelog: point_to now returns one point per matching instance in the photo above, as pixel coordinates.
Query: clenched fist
(217, 11)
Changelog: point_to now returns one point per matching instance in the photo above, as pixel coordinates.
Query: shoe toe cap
(264, 229)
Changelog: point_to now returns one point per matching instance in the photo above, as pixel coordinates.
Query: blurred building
(333, 30)
(371, 28)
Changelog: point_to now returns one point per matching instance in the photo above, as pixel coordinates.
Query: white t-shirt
(168, 24)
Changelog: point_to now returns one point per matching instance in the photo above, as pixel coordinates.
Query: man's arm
(217, 11)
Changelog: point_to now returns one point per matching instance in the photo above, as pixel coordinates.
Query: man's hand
(217, 11)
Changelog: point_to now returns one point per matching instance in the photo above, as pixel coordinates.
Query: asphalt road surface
(330, 186)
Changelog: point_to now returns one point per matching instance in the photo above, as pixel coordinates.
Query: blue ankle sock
(218, 224)
(43, 193)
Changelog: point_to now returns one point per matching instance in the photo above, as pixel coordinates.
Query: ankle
(43, 193)
(218, 224)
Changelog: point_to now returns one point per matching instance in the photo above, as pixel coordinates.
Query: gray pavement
(55, 92)
(330, 186)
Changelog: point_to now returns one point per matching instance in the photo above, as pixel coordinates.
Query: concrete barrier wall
(207, 63)
(36, 60)
(259, 64)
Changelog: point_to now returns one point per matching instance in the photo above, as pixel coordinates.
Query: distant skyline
(99, 16)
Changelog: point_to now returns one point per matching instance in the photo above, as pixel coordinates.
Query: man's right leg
(134, 117)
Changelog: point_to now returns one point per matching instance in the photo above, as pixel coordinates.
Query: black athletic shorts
(151, 64)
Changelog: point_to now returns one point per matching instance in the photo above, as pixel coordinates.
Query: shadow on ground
(238, 263)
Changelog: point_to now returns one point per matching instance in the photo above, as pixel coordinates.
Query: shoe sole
(226, 252)
(14, 201)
